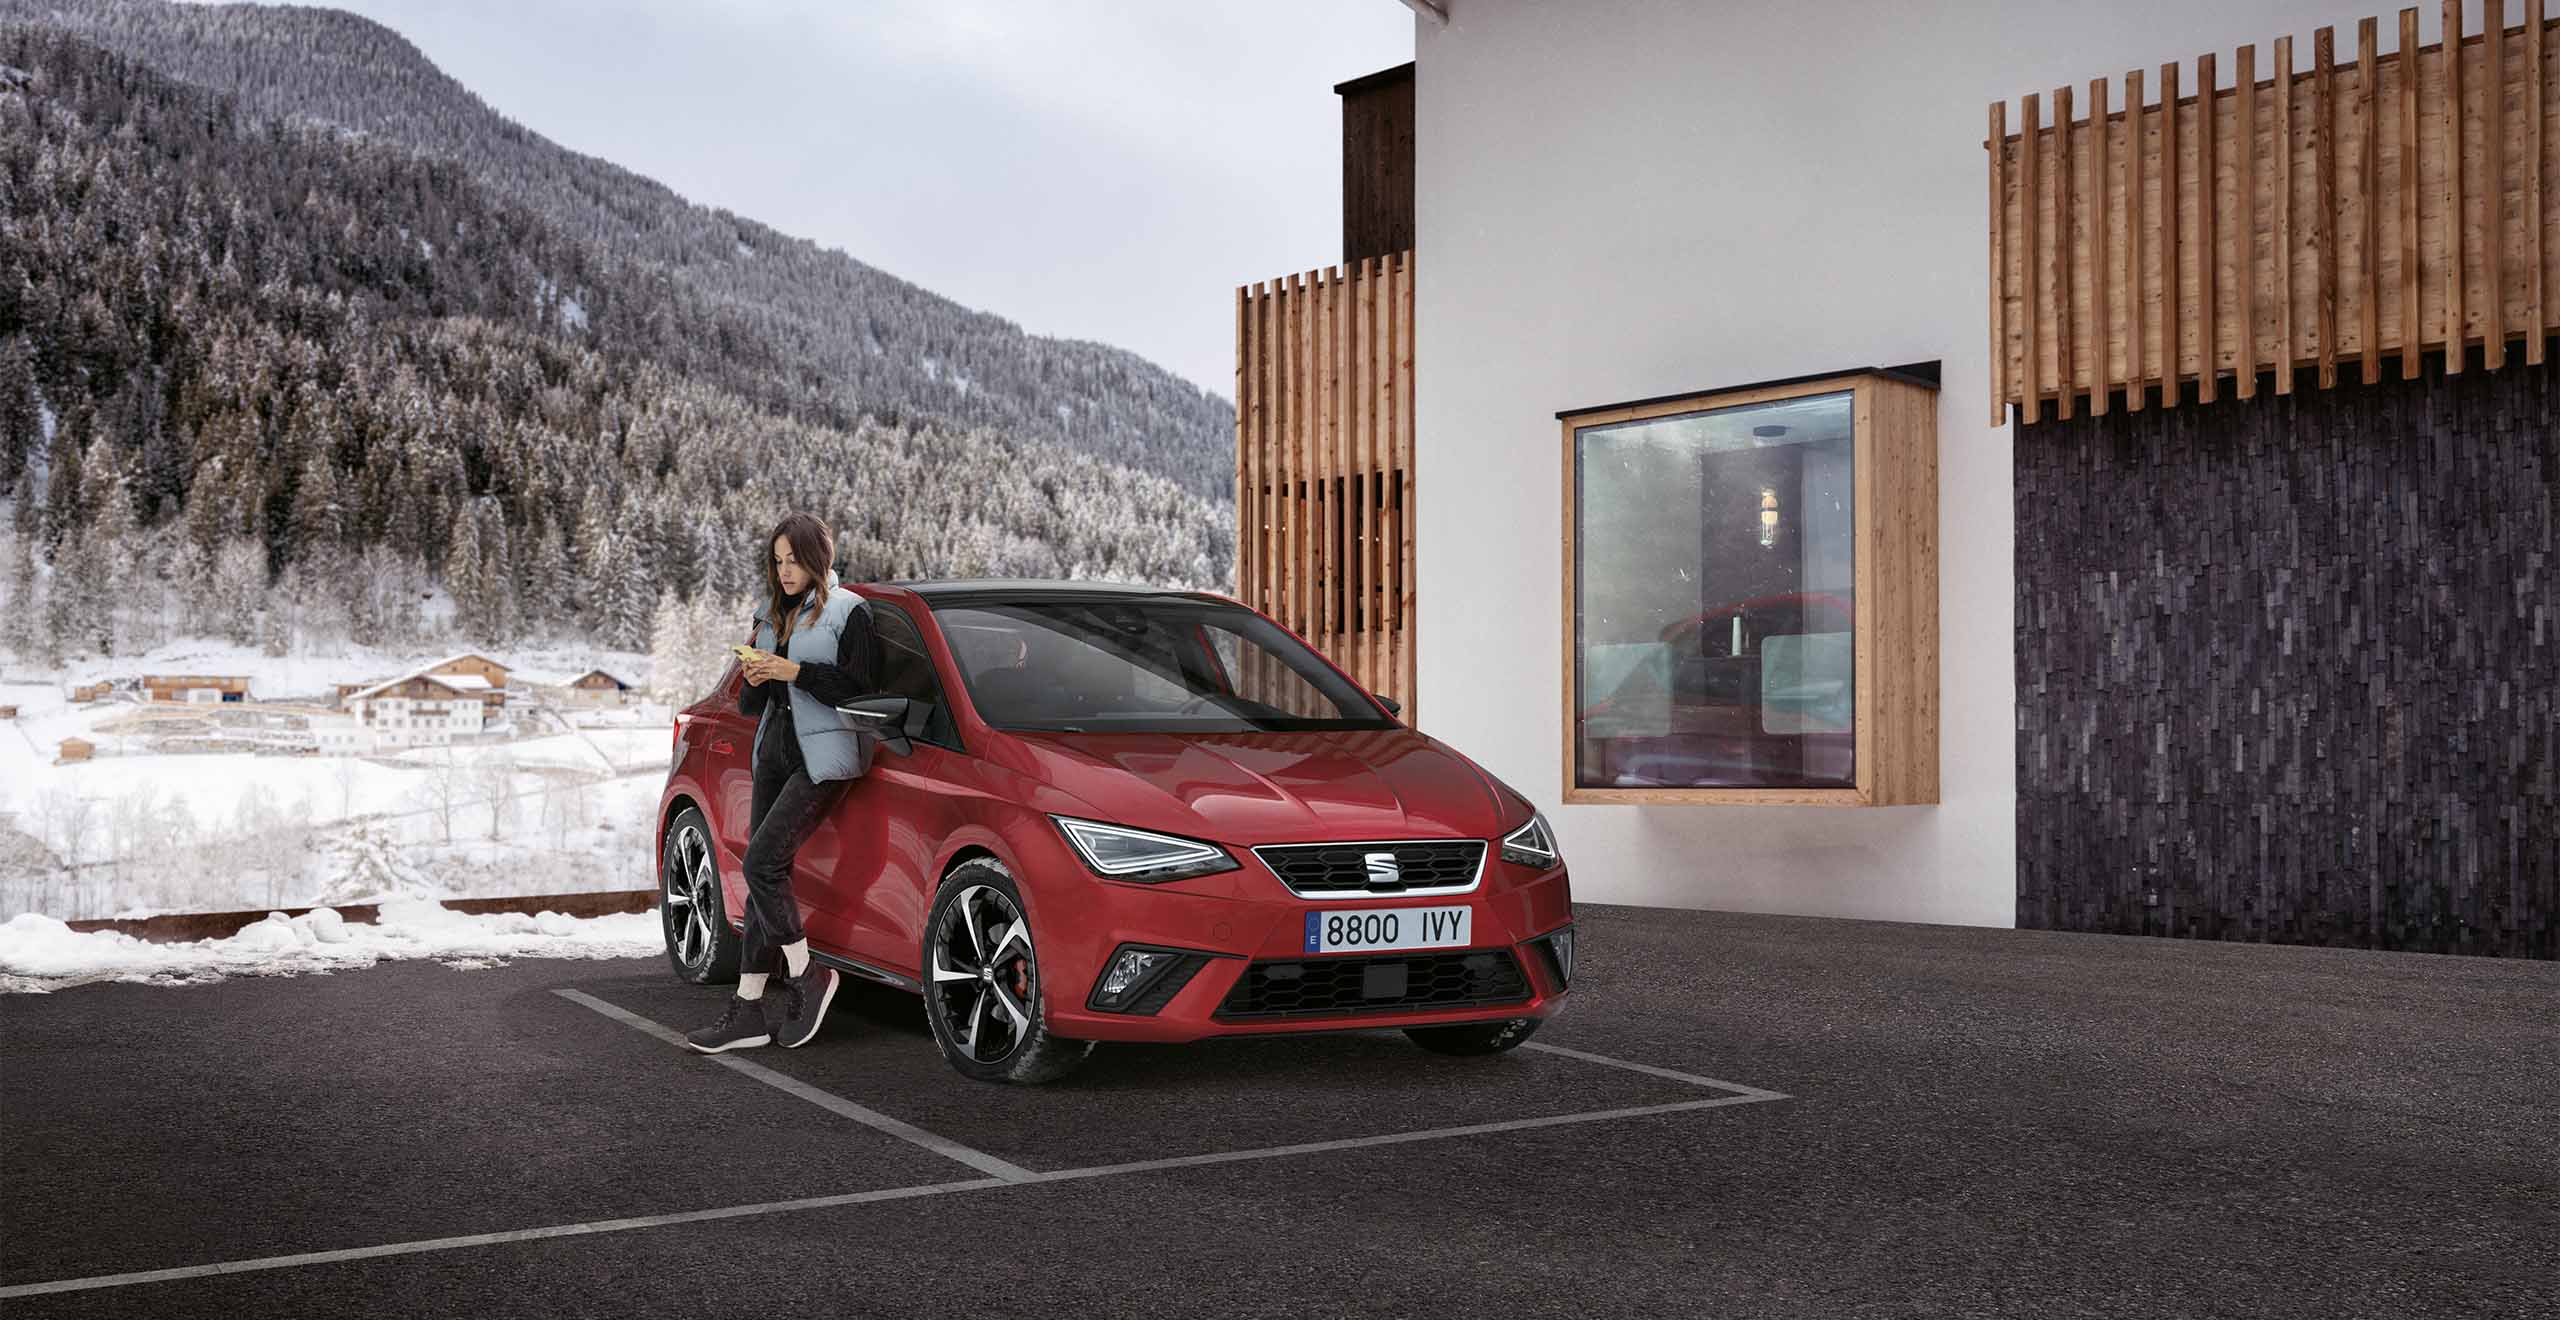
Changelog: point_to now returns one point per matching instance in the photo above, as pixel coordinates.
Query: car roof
(951, 591)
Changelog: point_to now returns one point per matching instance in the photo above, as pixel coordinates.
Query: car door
(888, 832)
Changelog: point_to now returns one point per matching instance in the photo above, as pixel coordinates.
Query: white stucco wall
(1617, 199)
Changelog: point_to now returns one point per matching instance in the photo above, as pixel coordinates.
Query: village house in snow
(195, 687)
(75, 749)
(413, 710)
(593, 687)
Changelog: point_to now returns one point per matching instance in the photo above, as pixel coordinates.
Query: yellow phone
(744, 651)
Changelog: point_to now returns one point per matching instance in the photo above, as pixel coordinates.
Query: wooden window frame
(1894, 576)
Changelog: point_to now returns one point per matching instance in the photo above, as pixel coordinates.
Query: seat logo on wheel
(1382, 869)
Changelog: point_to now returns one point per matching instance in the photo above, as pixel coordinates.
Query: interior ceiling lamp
(1768, 497)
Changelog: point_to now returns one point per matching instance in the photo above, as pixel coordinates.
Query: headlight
(1122, 853)
(1533, 844)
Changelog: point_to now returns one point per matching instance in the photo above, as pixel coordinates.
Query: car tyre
(992, 1027)
(1475, 1037)
(691, 911)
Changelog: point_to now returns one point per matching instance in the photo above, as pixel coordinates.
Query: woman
(813, 640)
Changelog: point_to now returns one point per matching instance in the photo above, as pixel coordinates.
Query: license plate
(1347, 930)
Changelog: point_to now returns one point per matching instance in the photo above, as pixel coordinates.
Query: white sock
(751, 985)
(795, 957)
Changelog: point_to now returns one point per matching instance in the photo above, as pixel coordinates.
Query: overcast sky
(1097, 169)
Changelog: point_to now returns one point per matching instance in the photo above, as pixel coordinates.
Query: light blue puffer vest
(829, 740)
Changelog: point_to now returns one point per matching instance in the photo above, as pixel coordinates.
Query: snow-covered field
(566, 807)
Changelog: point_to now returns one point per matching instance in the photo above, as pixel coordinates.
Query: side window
(906, 670)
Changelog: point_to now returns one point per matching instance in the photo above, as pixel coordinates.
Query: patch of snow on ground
(39, 953)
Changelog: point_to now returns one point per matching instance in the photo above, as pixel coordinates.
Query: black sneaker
(806, 997)
(741, 1025)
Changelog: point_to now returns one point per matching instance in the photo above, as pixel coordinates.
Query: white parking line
(976, 1159)
(484, 1239)
(1747, 1092)
(1005, 1174)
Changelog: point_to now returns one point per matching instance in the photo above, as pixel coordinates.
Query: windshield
(1156, 664)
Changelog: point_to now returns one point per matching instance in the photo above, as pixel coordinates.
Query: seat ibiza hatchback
(1106, 812)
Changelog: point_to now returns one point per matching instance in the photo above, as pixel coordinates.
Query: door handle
(723, 746)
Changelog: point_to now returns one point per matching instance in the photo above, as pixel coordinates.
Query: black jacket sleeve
(856, 671)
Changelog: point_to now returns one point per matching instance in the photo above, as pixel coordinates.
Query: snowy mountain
(863, 341)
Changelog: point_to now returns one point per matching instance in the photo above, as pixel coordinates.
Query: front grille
(1329, 986)
(1335, 870)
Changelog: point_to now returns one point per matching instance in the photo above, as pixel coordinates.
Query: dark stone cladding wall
(2289, 668)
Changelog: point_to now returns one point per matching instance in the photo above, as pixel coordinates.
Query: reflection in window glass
(1714, 592)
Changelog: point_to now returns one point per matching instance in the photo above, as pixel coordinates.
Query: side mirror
(894, 720)
(1394, 707)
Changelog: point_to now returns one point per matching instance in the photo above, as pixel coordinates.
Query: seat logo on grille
(1382, 869)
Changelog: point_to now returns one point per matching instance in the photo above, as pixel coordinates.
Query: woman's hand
(765, 667)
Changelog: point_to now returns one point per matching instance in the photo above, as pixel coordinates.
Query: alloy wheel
(984, 975)
(691, 900)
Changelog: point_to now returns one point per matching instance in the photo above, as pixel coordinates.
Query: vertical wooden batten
(2287, 349)
(2450, 220)
(2030, 203)
(2208, 234)
(2324, 191)
(1999, 281)
(2101, 273)
(2172, 318)
(2392, 204)
(2066, 306)
(2244, 261)
(2137, 242)
(2538, 254)
(2493, 179)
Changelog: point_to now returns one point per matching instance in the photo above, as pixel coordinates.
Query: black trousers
(787, 808)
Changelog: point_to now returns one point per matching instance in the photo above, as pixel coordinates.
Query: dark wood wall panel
(2289, 669)
(1377, 164)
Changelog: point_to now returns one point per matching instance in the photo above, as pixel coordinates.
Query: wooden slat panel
(1323, 470)
(2334, 212)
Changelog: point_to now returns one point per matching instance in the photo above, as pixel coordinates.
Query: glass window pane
(906, 669)
(1714, 598)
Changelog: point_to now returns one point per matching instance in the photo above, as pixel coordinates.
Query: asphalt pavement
(1737, 1115)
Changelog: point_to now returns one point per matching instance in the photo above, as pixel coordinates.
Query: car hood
(1251, 788)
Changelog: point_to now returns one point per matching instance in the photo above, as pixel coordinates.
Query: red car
(1109, 812)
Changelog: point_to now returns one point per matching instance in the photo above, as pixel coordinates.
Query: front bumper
(1240, 966)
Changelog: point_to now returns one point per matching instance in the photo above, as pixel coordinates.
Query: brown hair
(814, 545)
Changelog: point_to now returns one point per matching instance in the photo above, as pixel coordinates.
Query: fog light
(1126, 971)
(1563, 942)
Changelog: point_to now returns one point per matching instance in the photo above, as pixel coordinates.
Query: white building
(412, 711)
(2152, 711)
